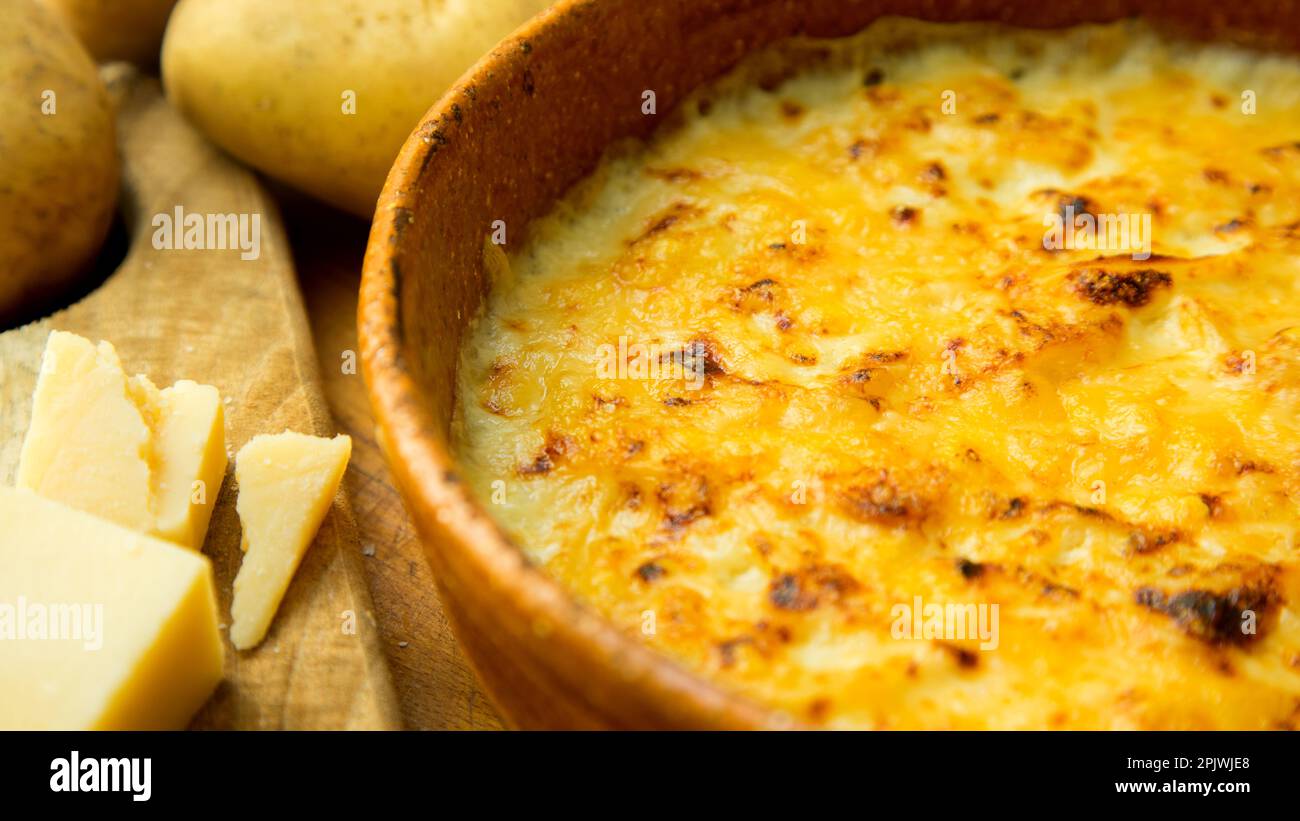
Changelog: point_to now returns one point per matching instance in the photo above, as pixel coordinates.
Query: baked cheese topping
(829, 392)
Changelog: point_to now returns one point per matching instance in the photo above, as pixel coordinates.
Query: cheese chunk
(100, 627)
(118, 447)
(190, 447)
(88, 445)
(287, 483)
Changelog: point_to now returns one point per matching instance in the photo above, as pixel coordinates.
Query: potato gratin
(803, 393)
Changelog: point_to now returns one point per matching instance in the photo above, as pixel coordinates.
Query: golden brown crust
(743, 379)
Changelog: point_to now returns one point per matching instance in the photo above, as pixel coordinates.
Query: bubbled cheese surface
(896, 396)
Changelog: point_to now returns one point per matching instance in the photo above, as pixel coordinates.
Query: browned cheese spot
(806, 588)
(651, 572)
(882, 502)
(1145, 541)
(1213, 617)
(685, 499)
(1130, 288)
(905, 216)
(556, 448)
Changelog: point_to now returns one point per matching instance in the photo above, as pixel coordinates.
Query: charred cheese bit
(287, 484)
(101, 627)
(120, 448)
(88, 445)
(809, 359)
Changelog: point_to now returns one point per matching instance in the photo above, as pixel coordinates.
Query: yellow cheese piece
(88, 445)
(189, 443)
(287, 483)
(100, 627)
(118, 447)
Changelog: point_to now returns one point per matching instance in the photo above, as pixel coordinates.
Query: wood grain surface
(437, 688)
(240, 325)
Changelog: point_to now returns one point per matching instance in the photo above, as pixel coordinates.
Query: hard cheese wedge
(189, 441)
(100, 627)
(120, 448)
(88, 445)
(287, 483)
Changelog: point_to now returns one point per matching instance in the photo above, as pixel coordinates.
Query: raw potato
(269, 82)
(118, 29)
(58, 171)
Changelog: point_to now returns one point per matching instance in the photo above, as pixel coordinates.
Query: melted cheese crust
(897, 397)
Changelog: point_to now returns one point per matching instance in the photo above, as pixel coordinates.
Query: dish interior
(828, 392)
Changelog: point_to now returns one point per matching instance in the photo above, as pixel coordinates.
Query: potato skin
(266, 81)
(58, 172)
(129, 30)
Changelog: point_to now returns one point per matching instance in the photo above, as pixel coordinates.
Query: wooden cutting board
(238, 324)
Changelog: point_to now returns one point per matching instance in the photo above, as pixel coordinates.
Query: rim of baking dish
(426, 472)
